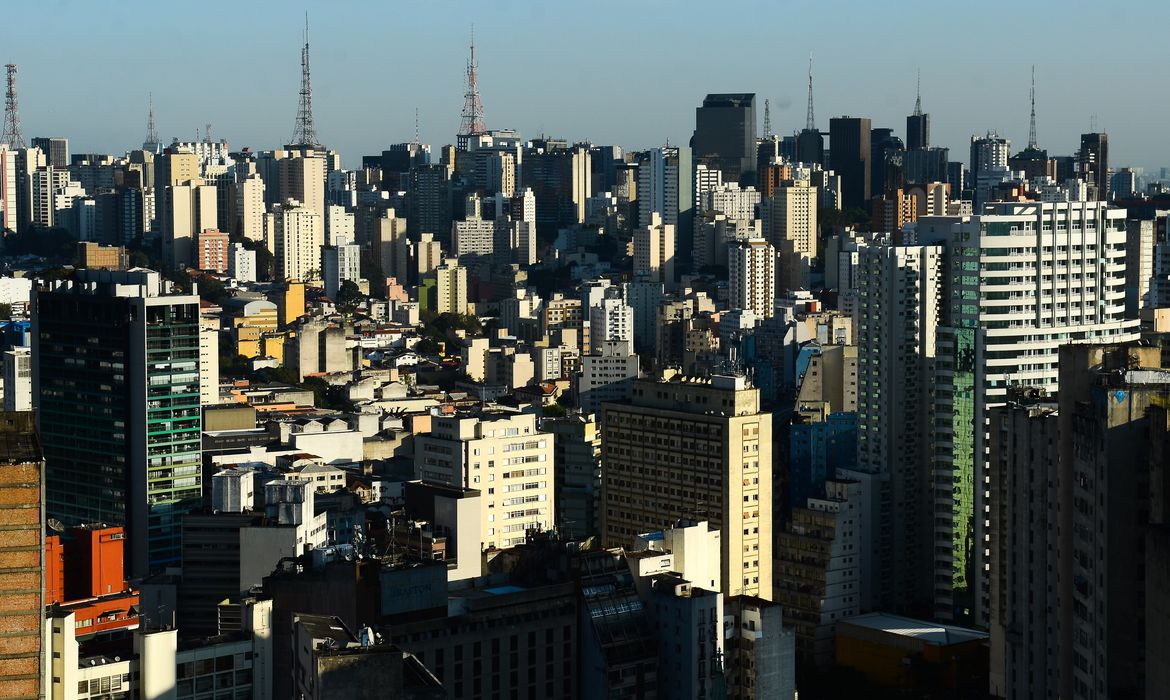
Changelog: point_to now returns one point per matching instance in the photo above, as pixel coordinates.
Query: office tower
(473, 236)
(607, 374)
(56, 149)
(790, 225)
(116, 386)
(711, 458)
(184, 211)
(988, 153)
(900, 298)
(725, 128)
(1024, 449)
(22, 560)
(17, 379)
(849, 141)
(885, 161)
(1109, 487)
(340, 264)
(926, 165)
(560, 178)
(174, 167)
(751, 268)
(429, 200)
(295, 235)
(810, 142)
(610, 319)
(450, 288)
(504, 456)
(1093, 164)
(654, 251)
(339, 226)
(918, 127)
(1007, 313)
(44, 185)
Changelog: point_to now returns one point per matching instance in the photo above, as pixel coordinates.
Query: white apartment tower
(611, 319)
(295, 236)
(790, 225)
(654, 248)
(751, 267)
(1024, 278)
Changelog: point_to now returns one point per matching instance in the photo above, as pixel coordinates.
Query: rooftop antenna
(12, 135)
(416, 140)
(767, 119)
(207, 132)
(472, 123)
(305, 134)
(1032, 123)
(151, 142)
(1093, 123)
(810, 123)
(918, 97)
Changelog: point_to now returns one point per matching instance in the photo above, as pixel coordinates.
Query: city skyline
(256, 106)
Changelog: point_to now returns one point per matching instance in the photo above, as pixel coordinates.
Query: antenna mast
(12, 135)
(151, 142)
(416, 141)
(472, 123)
(918, 96)
(810, 123)
(767, 119)
(305, 134)
(1032, 124)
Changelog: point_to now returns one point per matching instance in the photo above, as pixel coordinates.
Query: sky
(624, 72)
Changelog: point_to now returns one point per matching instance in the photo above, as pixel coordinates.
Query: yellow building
(698, 449)
(291, 302)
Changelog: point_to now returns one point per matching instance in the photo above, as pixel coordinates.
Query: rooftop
(928, 632)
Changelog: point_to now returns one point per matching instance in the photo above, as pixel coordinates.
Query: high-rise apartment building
(654, 251)
(250, 207)
(184, 211)
(17, 379)
(302, 177)
(697, 449)
(899, 305)
(116, 386)
(22, 559)
(664, 185)
(789, 223)
(610, 319)
(506, 458)
(340, 264)
(450, 288)
(295, 235)
(8, 180)
(1025, 278)
(849, 144)
(751, 269)
(725, 129)
(607, 374)
(988, 153)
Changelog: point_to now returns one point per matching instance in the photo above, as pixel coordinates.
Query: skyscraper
(849, 143)
(116, 386)
(1011, 304)
(751, 267)
(295, 235)
(654, 248)
(1093, 164)
(693, 448)
(56, 149)
(918, 126)
(725, 127)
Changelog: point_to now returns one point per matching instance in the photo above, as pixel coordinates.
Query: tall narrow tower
(1032, 122)
(305, 134)
(767, 119)
(151, 143)
(918, 124)
(12, 135)
(472, 123)
(810, 123)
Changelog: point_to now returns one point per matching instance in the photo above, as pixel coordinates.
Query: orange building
(101, 257)
(212, 250)
(87, 576)
(21, 556)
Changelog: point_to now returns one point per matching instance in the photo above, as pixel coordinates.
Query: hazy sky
(626, 72)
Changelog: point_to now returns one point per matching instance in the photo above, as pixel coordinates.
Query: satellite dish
(56, 525)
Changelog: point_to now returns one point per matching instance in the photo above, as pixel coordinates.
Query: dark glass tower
(849, 143)
(725, 128)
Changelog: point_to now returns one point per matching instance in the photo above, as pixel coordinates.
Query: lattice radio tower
(305, 134)
(472, 123)
(12, 135)
(1032, 124)
(767, 119)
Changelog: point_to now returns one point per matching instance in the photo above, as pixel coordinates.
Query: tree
(349, 296)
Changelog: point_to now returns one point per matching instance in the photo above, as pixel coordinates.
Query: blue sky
(627, 72)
